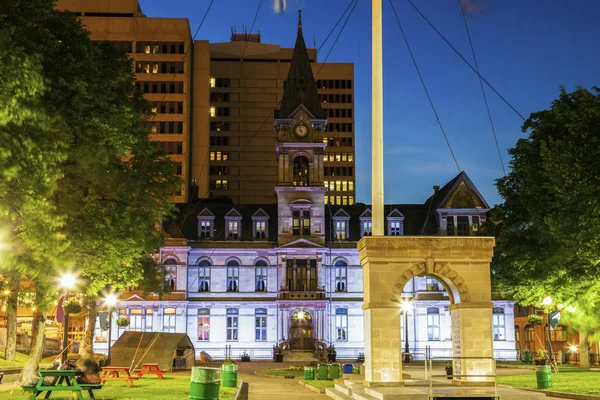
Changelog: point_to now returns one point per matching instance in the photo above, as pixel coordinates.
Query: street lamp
(547, 302)
(405, 306)
(67, 281)
(110, 301)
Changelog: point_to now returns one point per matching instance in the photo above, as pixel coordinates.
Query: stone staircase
(419, 390)
(299, 356)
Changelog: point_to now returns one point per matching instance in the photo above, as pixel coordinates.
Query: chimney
(436, 188)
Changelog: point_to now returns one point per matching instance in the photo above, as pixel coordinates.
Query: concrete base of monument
(420, 390)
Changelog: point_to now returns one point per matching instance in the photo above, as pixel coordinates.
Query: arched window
(261, 276)
(233, 276)
(341, 276)
(170, 269)
(301, 176)
(203, 277)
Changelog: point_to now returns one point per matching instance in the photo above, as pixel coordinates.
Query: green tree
(548, 228)
(104, 186)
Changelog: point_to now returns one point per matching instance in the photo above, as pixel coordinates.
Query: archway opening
(301, 331)
(425, 320)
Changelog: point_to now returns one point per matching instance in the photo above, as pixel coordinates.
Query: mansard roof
(419, 219)
(300, 87)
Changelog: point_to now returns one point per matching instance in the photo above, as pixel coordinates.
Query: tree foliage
(81, 185)
(548, 228)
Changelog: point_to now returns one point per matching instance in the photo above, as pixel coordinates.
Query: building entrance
(301, 332)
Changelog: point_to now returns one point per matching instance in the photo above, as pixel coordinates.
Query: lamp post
(67, 281)
(110, 302)
(405, 306)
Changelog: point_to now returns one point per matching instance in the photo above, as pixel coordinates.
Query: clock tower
(299, 124)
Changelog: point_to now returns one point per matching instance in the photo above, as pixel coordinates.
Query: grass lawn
(570, 379)
(282, 372)
(20, 360)
(169, 388)
(320, 384)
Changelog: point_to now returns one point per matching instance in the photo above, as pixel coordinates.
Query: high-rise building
(248, 80)
(161, 50)
(214, 103)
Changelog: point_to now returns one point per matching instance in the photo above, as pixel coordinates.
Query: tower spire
(300, 87)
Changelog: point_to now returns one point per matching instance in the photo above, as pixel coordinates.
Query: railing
(484, 377)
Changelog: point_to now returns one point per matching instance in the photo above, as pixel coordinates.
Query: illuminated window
(261, 276)
(350, 186)
(233, 276)
(341, 273)
(344, 200)
(232, 324)
(498, 326)
(213, 82)
(433, 323)
(341, 324)
(260, 325)
(338, 157)
(338, 185)
(340, 230)
(326, 200)
(260, 230)
(338, 200)
(332, 185)
(345, 186)
(169, 323)
(155, 68)
(147, 49)
(350, 157)
(201, 280)
(301, 223)
(204, 324)
(213, 111)
(350, 200)
(344, 156)
(154, 127)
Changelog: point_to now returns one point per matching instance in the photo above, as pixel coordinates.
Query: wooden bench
(150, 368)
(117, 374)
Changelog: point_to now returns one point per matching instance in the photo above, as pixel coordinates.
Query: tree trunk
(30, 375)
(91, 323)
(584, 354)
(11, 321)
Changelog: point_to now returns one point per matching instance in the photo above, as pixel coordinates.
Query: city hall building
(287, 271)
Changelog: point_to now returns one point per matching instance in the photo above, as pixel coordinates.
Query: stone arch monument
(462, 265)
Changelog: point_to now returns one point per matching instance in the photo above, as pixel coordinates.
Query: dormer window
(206, 221)
(233, 225)
(260, 225)
(366, 223)
(341, 225)
(395, 223)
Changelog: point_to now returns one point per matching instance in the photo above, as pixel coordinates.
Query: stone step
(336, 394)
(347, 390)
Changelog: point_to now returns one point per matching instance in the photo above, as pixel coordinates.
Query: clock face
(301, 131)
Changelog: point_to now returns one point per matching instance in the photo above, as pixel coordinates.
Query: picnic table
(151, 369)
(62, 381)
(117, 374)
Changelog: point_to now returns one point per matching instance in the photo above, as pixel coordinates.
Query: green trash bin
(543, 376)
(205, 383)
(309, 374)
(229, 376)
(335, 371)
(322, 370)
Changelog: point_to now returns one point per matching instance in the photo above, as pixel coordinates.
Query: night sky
(526, 49)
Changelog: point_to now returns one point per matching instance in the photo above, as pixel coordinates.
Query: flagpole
(377, 121)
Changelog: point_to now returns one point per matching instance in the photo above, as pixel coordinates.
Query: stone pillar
(472, 345)
(383, 350)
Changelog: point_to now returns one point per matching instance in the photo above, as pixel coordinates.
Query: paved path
(277, 389)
